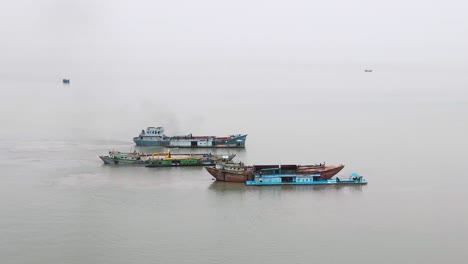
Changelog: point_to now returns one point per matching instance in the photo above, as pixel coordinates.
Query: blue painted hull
(320, 182)
(150, 143)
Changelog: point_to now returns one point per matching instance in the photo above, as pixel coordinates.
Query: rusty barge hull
(230, 175)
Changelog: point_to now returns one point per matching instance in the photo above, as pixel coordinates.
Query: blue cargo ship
(275, 177)
(154, 136)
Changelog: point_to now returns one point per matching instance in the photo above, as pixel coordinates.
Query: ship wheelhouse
(153, 133)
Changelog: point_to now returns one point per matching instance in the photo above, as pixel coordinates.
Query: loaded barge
(238, 172)
(154, 136)
(165, 159)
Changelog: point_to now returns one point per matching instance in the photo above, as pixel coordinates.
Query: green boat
(165, 159)
(179, 162)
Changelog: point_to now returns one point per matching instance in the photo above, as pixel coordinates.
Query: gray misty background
(288, 73)
(145, 59)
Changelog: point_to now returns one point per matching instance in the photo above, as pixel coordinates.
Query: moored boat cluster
(164, 159)
(221, 166)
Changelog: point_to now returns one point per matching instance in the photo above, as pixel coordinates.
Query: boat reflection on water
(220, 186)
(321, 188)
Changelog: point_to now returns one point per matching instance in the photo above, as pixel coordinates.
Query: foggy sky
(74, 34)
(133, 57)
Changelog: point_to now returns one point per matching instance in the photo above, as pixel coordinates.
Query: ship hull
(230, 176)
(119, 161)
(235, 141)
(320, 182)
(144, 142)
(325, 173)
(168, 160)
(176, 164)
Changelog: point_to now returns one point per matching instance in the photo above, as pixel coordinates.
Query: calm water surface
(403, 132)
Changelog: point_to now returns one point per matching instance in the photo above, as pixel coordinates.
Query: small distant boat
(368, 70)
(274, 176)
(165, 159)
(66, 81)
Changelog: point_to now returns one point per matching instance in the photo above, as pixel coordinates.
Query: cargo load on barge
(154, 136)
